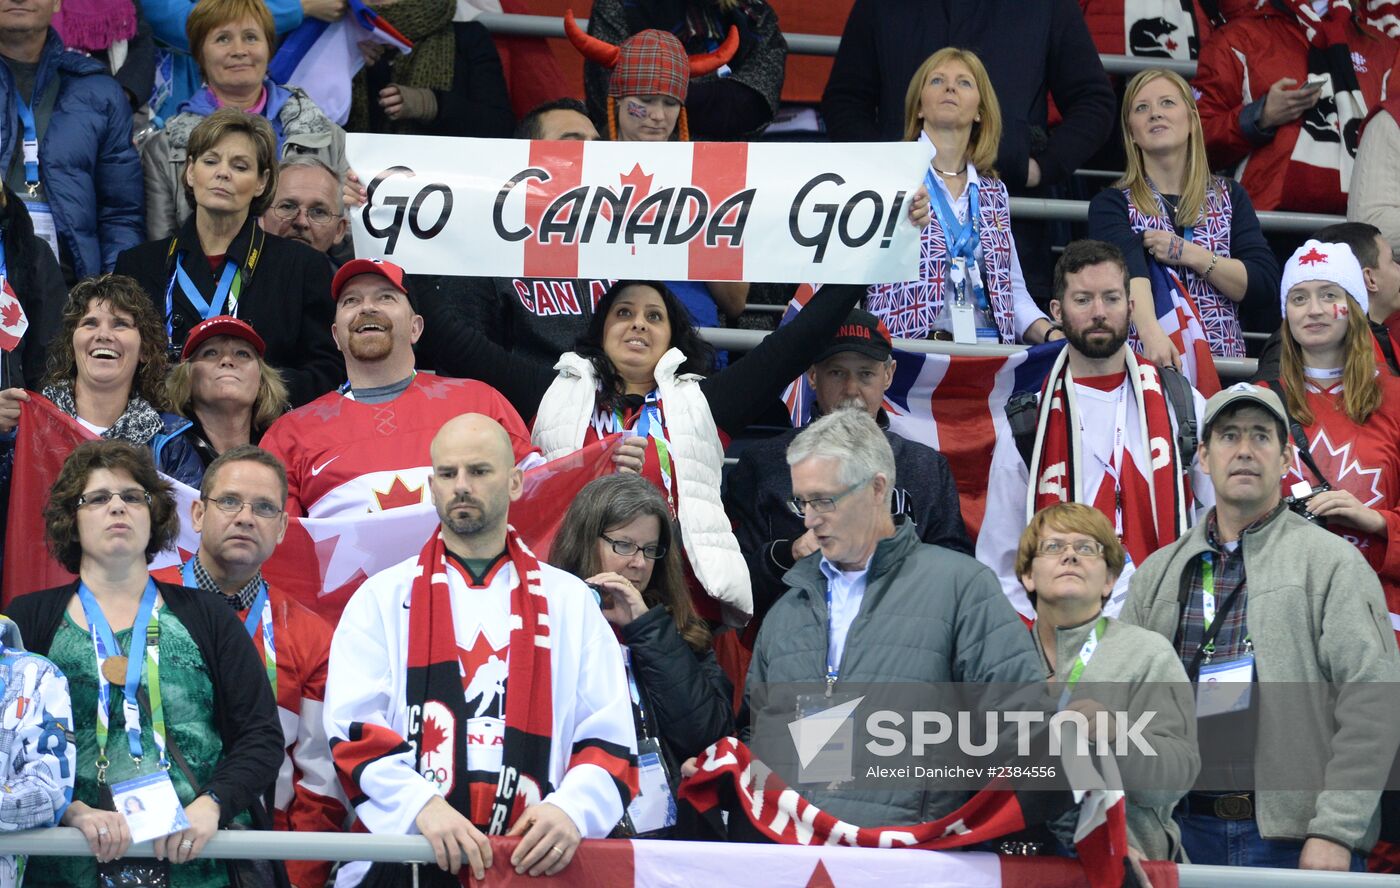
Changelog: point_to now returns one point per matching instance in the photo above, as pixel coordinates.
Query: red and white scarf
(729, 777)
(1057, 471)
(434, 682)
(1320, 167)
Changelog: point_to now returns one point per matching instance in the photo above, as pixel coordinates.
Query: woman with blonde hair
(1348, 410)
(968, 255)
(1169, 214)
(224, 388)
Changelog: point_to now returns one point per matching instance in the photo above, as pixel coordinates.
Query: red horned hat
(650, 62)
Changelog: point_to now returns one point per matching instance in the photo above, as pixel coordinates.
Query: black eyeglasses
(627, 548)
(287, 210)
(823, 504)
(132, 496)
(233, 505)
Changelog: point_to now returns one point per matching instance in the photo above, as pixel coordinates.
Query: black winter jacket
(1030, 50)
(288, 301)
(688, 698)
(34, 275)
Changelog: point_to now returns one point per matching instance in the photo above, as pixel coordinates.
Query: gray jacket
(304, 127)
(928, 615)
(1317, 618)
(1133, 670)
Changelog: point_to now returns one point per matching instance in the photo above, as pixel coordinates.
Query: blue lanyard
(208, 309)
(30, 145)
(259, 613)
(105, 644)
(960, 238)
(833, 670)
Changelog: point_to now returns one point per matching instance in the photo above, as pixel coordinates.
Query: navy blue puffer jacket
(91, 171)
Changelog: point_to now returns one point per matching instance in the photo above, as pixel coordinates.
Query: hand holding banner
(704, 211)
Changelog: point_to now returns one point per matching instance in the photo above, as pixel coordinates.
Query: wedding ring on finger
(557, 850)
(187, 843)
(102, 830)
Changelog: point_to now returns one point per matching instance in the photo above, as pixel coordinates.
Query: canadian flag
(652, 863)
(321, 561)
(13, 321)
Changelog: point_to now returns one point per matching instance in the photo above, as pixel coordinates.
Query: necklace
(947, 174)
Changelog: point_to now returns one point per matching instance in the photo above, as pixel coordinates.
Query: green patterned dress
(188, 698)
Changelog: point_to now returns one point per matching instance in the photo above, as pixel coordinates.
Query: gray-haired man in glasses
(307, 206)
(875, 604)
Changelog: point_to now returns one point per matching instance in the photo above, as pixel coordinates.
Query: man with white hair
(874, 604)
(308, 206)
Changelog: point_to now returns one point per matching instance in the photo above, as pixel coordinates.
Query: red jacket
(1238, 64)
(308, 795)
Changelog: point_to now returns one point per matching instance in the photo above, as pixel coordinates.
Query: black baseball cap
(863, 333)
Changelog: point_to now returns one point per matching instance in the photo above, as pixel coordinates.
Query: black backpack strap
(1295, 428)
(1182, 399)
(1022, 414)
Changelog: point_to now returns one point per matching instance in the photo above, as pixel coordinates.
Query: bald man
(475, 691)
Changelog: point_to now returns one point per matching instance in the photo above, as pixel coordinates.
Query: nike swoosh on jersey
(316, 470)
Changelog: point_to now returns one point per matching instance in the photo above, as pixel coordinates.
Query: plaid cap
(652, 63)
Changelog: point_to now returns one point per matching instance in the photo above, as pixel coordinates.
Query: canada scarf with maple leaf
(728, 778)
(1320, 166)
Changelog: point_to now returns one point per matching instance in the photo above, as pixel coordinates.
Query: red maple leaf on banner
(433, 735)
(640, 182)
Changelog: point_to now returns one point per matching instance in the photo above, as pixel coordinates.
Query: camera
(601, 595)
(1299, 496)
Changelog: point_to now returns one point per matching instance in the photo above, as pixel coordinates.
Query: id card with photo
(654, 807)
(1225, 687)
(150, 806)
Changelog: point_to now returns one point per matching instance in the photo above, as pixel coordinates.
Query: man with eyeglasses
(240, 520)
(1108, 429)
(853, 371)
(874, 604)
(308, 206)
(1291, 776)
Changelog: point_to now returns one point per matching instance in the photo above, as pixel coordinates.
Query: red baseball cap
(222, 325)
(387, 270)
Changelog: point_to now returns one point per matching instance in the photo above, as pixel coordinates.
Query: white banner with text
(701, 211)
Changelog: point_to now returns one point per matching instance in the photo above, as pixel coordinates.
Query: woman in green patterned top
(215, 726)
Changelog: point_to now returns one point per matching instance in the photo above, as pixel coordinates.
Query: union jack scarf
(435, 677)
(1057, 471)
(1320, 167)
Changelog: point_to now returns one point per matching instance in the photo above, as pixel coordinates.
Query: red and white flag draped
(653, 863)
(957, 405)
(13, 321)
(322, 561)
(700, 211)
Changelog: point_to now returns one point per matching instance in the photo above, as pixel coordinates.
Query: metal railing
(1230, 369)
(247, 845)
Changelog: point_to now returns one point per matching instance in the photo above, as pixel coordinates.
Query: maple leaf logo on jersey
(1342, 470)
(433, 735)
(484, 673)
(398, 494)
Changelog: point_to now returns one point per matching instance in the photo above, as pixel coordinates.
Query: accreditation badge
(150, 806)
